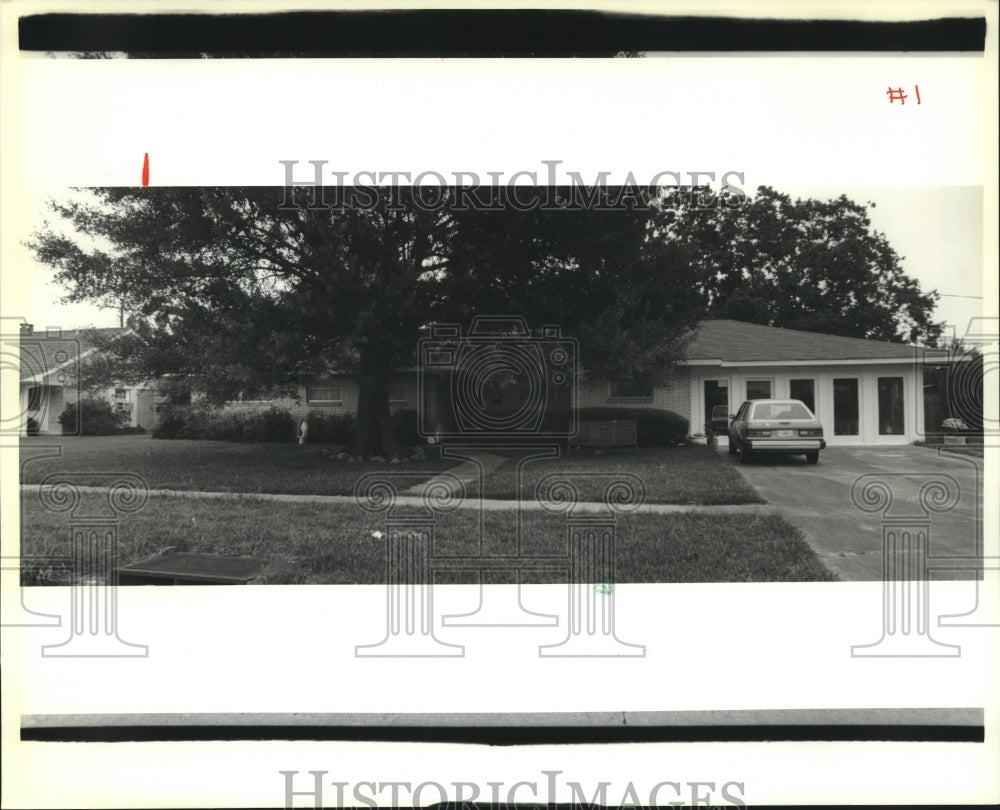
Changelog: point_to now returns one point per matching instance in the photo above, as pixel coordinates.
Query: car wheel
(732, 446)
(744, 454)
(812, 457)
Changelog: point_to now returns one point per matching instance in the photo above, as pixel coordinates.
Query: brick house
(865, 392)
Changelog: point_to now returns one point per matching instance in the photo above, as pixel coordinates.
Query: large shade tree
(240, 293)
(810, 264)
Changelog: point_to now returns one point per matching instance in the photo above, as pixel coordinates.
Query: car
(718, 423)
(775, 426)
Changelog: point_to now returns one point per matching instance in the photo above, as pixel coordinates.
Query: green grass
(333, 544)
(184, 464)
(676, 475)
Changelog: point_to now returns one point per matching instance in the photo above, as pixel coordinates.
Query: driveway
(817, 499)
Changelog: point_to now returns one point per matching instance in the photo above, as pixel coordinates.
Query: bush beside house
(205, 422)
(94, 417)
(654, 427)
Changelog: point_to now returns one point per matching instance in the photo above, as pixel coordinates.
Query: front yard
(681, 475)
(333, 544)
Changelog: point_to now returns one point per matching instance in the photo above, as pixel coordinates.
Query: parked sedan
(775, 426)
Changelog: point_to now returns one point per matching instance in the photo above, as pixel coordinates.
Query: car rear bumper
(785, 445)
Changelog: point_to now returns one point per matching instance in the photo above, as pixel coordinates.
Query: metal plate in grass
(184, 568)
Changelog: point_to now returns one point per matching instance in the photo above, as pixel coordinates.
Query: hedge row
(201, 422)
(271, 425)
(655, 428)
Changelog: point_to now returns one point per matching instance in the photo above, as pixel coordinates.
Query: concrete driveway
(817, 499)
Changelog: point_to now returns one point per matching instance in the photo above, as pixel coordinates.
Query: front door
(716, 395)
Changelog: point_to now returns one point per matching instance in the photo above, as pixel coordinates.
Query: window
(324, 393)
(397, 391)
(780, 410)
(121, 395)
(845, 407)
(804, 391)
(758, 389)
(631, 389)
(890, 406)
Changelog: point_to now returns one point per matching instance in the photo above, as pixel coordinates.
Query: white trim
(764, 363)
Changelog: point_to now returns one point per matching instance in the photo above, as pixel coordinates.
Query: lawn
(333, 544)
(676, 475)
(185, 464)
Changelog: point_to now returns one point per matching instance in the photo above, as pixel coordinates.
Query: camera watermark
(317, 788)
(501, 394)
(499, 381)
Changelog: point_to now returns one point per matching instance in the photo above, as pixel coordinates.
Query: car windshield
(780, 410)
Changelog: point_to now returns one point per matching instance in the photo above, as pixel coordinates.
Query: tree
(235, 293)
(804, 264)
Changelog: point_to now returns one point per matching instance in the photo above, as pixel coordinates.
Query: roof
(43, 353)
(729, 341)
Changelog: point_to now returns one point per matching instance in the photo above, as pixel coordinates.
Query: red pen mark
(145, 170)
(917, 88)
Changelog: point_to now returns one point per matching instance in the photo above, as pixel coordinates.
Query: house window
(121, 395)
(804, 391)
(758, 389)
(323, 393)
(890, 406)
(845, 406)
(631, 389)
(397, 391)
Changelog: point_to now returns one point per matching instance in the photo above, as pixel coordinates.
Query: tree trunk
(373, 435)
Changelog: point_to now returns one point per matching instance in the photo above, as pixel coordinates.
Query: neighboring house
(50, 366)
(863, 391)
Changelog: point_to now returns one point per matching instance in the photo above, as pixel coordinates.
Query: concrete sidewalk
(417, 500)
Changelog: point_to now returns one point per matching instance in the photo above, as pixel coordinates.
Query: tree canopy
(231, 290)
(816, 265)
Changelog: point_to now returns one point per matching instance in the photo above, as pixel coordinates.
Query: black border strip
(495, 33)
(514, 735)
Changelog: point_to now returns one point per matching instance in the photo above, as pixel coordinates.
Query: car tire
(812, 457)
(744, 454)
(732, 446)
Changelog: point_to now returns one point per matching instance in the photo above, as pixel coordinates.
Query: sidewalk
(417, 500)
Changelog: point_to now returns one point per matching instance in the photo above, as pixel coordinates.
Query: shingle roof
(43, 352)
(738, 342)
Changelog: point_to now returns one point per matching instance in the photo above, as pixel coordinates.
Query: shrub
(330, 428)
(97, 418)
(203, 422)
(32, 427)
(654, 427)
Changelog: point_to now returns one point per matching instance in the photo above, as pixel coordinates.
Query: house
(50, 366)
(865, 392)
